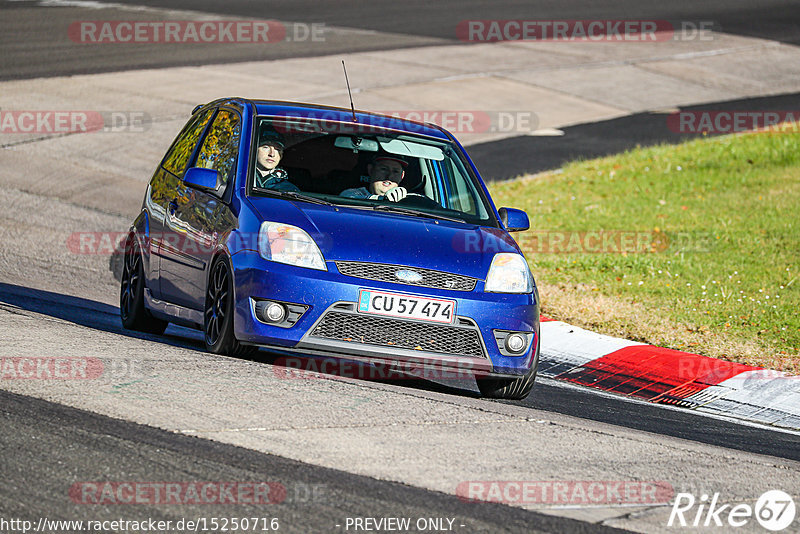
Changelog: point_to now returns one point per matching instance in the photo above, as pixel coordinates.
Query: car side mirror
(203, 179)
(513, 219)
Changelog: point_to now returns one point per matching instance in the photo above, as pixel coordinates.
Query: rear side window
(221, 145)
(179, 154)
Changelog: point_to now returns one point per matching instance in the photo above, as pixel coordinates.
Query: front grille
(386, 273)
(413, 335)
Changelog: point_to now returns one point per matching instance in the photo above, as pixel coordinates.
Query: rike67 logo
(774, 510)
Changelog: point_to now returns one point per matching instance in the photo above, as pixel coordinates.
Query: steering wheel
(415, 199)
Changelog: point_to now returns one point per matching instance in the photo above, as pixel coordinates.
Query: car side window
(178, 155)
(221, 145)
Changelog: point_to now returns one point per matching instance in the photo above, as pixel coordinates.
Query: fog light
(275, 312)
(515, 342)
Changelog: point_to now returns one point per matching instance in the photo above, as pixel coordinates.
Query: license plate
(406, 306)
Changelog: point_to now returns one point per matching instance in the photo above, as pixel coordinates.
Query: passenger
(268, 174)
(385, 174)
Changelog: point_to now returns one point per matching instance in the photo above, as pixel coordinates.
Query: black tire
(510, 388)
(218, 313)
(132, 311)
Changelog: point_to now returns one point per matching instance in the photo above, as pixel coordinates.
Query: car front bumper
(330, 324)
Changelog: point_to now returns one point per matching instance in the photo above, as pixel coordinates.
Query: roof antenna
(349, 93)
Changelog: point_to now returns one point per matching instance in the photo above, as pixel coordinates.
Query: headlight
(509, 273)
(285, 243)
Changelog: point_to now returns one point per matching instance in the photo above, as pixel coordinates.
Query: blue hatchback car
(320, 231)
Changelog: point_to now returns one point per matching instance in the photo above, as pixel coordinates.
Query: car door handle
(173, 206)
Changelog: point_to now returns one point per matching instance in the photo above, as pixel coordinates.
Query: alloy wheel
(130, 279)
(216, 303)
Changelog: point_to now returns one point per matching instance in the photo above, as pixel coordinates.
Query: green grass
(722, 216)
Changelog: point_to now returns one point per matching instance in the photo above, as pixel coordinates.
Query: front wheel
(510, 388)
(132, 311)
(218, 313)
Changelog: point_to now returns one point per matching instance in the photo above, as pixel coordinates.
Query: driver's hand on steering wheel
(396, 194)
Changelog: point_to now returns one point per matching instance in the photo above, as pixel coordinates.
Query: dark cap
(271, 137)
(391, 157)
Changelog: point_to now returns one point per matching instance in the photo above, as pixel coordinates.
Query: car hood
(349, 234)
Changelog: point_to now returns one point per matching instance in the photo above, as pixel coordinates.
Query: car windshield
(358, 165)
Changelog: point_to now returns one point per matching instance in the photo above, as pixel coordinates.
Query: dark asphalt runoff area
(51, 451)
(35, 43)
(515, 156)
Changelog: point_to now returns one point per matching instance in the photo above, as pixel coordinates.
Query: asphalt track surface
(34, 44)
(47, 448)
(547, 395)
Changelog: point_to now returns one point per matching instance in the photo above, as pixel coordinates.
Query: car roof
(316, 111)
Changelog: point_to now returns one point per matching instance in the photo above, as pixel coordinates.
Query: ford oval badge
(408, 276)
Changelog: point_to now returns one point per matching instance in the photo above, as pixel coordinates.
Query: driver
(385, 174)
(270, 151)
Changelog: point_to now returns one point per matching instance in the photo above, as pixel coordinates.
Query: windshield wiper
(296, 196)
(415, 213)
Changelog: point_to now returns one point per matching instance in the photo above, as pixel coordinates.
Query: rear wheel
(218, 313)
(510, 388)
(132, 311)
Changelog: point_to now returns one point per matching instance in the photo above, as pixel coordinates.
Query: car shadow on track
(104, 317)
(293, 366)
(88, 313)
